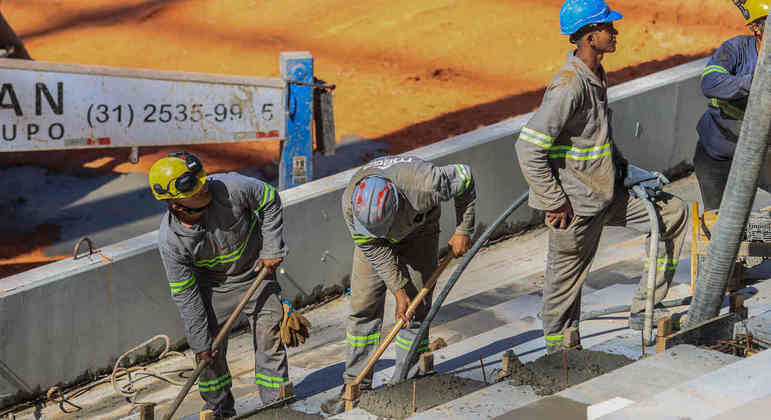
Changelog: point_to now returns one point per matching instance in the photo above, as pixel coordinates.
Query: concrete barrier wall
(66, 319)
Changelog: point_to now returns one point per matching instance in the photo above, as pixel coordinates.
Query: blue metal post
(296, 165)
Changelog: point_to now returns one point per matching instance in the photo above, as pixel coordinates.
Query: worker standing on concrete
(575, 175)
(726, 83)
(220, 229)
(392, 209)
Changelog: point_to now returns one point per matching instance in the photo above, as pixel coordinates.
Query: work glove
(294, 327)
(652, 182)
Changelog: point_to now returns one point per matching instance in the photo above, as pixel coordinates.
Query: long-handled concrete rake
(222, 335)
(352, 391)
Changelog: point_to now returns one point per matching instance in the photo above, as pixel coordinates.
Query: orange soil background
(408, 72)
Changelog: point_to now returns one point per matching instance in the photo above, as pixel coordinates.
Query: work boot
(637, 319)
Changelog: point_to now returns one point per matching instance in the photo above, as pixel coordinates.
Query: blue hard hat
(375, 202)
(576, 14)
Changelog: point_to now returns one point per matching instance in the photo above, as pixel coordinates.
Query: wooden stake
(147, 412)
(426, 363)
(414, 395)
(565, 365)
(351, 395)
(286, 390)
(484, 374)
(664, 329)
(207, 415)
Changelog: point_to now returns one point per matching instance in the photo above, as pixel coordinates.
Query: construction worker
(392, 209)
(574, 172)
(726, 83)
(218, 232)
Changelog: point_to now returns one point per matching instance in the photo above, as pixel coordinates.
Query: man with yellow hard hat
(218, 231)
(726, 83)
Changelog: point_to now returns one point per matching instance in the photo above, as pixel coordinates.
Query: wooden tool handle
(222, 335)
(400, 323)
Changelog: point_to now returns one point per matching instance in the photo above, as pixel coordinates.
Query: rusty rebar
(484, 374)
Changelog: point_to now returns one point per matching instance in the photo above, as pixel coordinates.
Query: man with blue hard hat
(575, 174)
(726, 82)
(392, 208)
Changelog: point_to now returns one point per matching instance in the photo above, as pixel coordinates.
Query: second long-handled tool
(352, 392)
(222, 335)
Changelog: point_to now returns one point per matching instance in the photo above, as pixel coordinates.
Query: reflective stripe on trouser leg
(673, 218)
(215, 381)
(363, 325)
(270, 359)
(569, 258)
(403, 342)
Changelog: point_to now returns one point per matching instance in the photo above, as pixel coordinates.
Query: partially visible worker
(218, 231)
(392, 209)
(575, 175)
(726, 83)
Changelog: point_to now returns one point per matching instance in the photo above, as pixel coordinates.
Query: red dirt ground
(409, 72)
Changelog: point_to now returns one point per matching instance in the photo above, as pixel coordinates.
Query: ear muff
(180, 175)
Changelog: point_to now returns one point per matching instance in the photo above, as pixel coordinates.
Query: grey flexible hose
(739, 193)
(401, 373)
(586, 316)
(652, 263)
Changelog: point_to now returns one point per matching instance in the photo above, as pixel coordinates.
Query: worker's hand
(269, 264)
(459, 244)
(206, 355)
(560, 218)
(402, 303)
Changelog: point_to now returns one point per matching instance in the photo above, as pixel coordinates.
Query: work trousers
(417, 258)
(265, 312)
(571, 251)
(712, 175)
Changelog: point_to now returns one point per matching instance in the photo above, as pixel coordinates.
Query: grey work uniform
(407, 257)
(218, 257)
(566, 154)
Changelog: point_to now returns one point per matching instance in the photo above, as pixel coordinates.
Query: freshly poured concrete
(395, 401)
(547, 374)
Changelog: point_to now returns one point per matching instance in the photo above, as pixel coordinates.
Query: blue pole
(296, 166)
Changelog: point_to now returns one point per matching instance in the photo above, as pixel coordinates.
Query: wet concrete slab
(395, 401)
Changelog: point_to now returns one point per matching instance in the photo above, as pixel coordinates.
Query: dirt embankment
(409, 72)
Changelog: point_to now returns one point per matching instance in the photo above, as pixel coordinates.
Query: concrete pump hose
(749, 158)
(401, 374)
(652, 264)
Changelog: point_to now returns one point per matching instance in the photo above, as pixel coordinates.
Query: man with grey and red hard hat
(576, 176)
(219, 230)
(392, 209)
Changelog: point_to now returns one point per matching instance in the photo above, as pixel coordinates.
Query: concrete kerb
(83, 308)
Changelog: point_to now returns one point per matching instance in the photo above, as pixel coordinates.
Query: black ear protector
(185, 182)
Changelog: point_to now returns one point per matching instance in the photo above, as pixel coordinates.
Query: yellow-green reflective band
(270, 378)
(537, 134)
(405, 344)
(728, 109)
(267, 384)
(569, 155)
(230, 257)
(465, 176)
(363, 341)
(267, 196)
(714, 68)
(531, 139)
(181, 286)
(215, 385)
(554, 340)
(664, 264)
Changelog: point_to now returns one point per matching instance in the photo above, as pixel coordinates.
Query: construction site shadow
(102, 16)
(478, 116)
(330, 377)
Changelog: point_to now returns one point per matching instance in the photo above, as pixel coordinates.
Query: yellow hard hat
(175, 177)
(752, 10)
